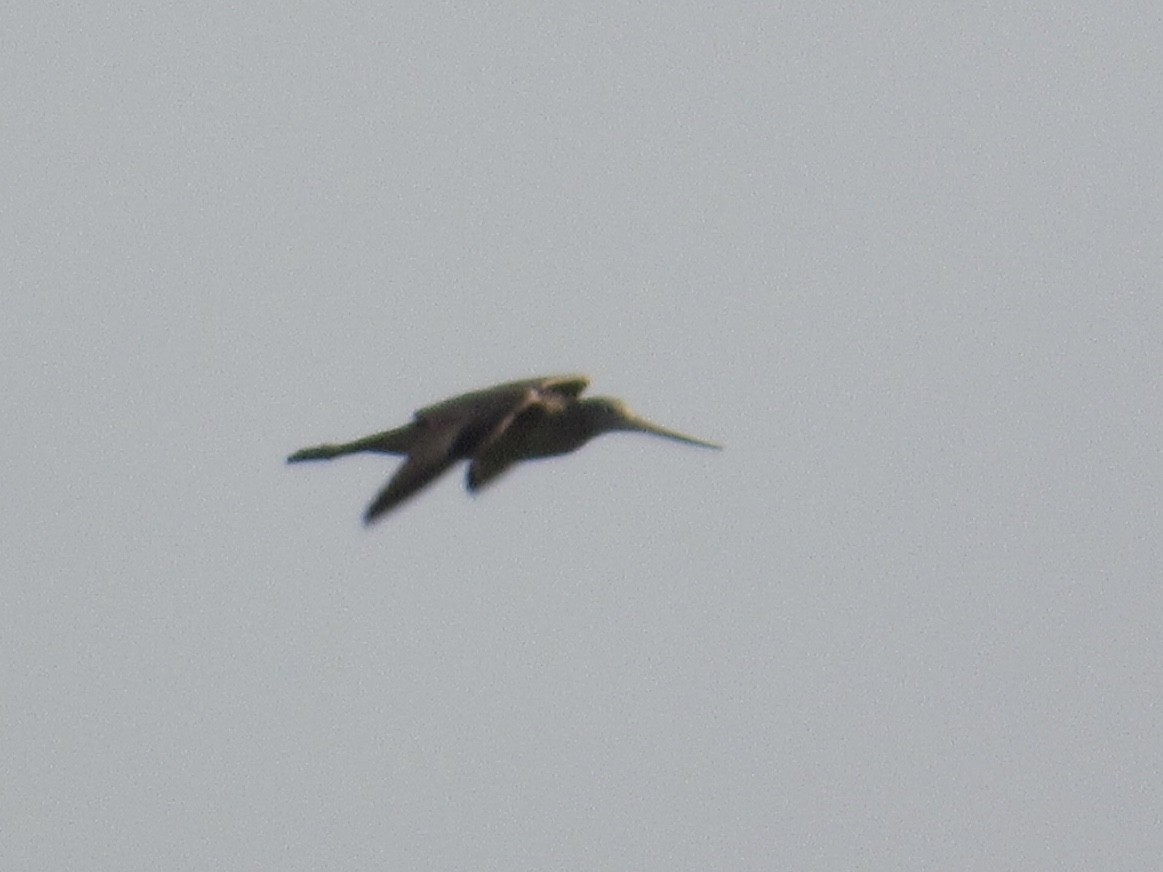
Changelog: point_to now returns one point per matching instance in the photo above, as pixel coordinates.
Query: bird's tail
(389, 442)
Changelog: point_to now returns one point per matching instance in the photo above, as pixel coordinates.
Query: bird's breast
(540, 436)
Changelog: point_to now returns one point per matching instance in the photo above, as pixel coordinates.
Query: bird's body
(493, 429)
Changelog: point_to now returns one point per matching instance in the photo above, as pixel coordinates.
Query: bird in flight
(492, 428)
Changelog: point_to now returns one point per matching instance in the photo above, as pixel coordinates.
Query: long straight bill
(644, 426)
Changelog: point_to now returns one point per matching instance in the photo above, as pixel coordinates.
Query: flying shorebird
(492, 429)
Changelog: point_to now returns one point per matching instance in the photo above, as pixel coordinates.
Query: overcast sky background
(903, 260)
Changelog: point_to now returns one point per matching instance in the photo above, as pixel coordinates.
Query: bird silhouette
(493, 429)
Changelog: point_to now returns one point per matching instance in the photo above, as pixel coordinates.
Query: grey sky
(902, 260)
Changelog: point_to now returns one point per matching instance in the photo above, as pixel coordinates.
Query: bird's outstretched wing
(431, 455)
(493, 458)
(508, 442)
(465, 426)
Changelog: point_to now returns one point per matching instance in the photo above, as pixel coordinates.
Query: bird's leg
(397, 441)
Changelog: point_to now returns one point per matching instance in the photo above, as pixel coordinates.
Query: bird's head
(608, 414)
